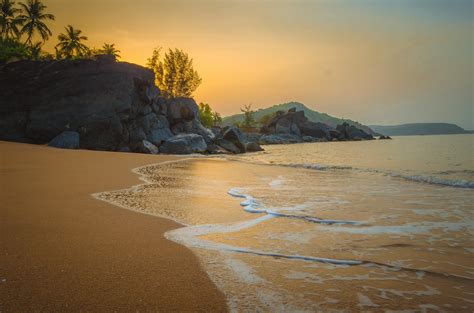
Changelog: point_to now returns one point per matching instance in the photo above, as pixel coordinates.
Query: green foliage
(70, 44)
(11, 49)
(175, 74)
(266, 118)
(9, 20)
(249, 120)
(208, 117)
(33, 20)
(205, 114)
(216, 119)
(110, 50)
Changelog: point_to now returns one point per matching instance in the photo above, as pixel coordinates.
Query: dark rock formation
(66, 140)
(233, 140)
(382, 137)
(293, 126)
(108, 105)
(184, 144)
(350, 132)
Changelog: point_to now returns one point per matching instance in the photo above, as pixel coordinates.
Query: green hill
(312, 115)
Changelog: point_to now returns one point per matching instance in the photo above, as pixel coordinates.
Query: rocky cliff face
(96, 104)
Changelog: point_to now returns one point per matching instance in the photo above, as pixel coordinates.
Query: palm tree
(110, 49)
(34, 51)
(9, 21)
(70, 44)
(33, 17)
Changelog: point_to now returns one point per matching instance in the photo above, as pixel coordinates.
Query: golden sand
(62, 250)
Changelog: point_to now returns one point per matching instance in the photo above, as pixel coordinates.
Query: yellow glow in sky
(379, 62)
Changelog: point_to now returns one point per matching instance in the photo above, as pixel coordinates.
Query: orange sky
(376, 61)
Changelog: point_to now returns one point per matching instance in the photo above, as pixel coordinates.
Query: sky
(376, 61)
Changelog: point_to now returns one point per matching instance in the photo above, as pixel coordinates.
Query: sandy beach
(64, 250)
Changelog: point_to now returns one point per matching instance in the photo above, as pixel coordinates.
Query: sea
(363, 226)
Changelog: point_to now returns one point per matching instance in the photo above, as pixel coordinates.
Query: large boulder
(184, 144)
(316, 130)
(233, 140)
(66, 140)
(350, 132)
(98, 98)
(181, 110)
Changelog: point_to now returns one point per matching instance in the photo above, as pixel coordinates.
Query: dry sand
(63, 250)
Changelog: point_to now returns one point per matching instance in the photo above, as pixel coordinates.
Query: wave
(191, 236)
(428, 179)
(251, 205)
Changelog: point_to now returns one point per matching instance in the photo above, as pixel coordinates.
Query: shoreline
(63, 250)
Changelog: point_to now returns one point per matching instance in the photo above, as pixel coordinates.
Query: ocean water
(379, 226)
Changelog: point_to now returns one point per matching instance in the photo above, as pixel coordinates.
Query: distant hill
(419, 129)
(312, 115)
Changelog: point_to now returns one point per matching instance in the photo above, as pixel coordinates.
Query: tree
(216, 119)
(9, 20)
(205, 114)
(110, 50)
(248, 121)
(34, 51)
(33, 18)
(70, 44)
(175, 74)
(11, 49)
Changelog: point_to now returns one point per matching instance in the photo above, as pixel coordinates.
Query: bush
(12, 50)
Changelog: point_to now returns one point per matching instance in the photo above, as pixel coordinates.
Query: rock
(382, 137)
(184, 144)
(253, 147)
(231, 134)
(279, 139)
(229, 146)
(309, 139)
(193, 127)
(66, 140)
(155, 127)
(96, 98)
(316, 130)
(351, 132)
(124, 149)
(147, 147)
(255, 137)
(105, 58)
(181, 109)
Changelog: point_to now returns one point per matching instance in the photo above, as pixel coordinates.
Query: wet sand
(63, 250)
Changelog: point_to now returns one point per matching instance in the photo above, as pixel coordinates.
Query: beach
(340, 226)
(62, 250)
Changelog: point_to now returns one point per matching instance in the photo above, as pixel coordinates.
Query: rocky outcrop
(184, 144)
(350, 132)
(293, 127)
(233, 140)
(97, 104)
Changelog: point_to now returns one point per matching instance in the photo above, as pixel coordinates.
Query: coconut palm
(70, 44)
(34, 51)
(9, 20)
(33, 17)
(110, 49)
